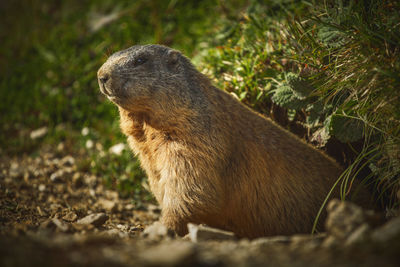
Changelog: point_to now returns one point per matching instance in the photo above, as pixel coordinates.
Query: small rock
(41, 213)
(343, 218)
(48, 224)
(70, 217)
(267, 241)
(41, 187)
(176, 253)
(39, 133)
(82, 227)
(61, 147)
(92, 193)
(306, 242)
(97, 219)
(135, 229)
(388, 232)
(157, 231)
(27, 175)
(55, 207)
(111, 194)
(77, 180)
(202, 233)
(67, 161)
(116, 233)
(331, 242)
(90, 180)
(129, 207)
(108, 205)
(123, 227)
(359, 235)
(60, 225)
(16, 171)
(57, 176)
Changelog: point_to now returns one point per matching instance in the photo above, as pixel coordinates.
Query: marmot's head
(148, 78)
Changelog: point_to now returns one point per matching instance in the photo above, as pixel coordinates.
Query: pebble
(360, 235)
(61, 147)
(16, 171)
(331, 242)
(48, 224)
(41, 187)
(343, 218)
(108, 205)
(77, 180)
(67, 161)
(55, 207)
(96, 219)
(60, 225)
(306, 242)
(116, 233)
(157, 231)
(57, 176)
(203, 233)
(70, 217)
(387, 233)
(267, 241)
(129, 207)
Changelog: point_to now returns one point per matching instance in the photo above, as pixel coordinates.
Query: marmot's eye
(140, 61)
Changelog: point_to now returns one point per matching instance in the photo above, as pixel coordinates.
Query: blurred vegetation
(328, 71)
(50, 53)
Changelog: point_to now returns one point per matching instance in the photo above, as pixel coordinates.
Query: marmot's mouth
(104, 90)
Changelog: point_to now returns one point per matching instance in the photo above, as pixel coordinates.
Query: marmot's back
(209, 158)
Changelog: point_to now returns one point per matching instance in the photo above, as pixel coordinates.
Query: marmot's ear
(172, 58)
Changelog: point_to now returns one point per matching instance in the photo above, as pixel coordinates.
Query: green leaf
(284, 96)
(345, 129)
(331, 36)
(315, 111)
(299, 85)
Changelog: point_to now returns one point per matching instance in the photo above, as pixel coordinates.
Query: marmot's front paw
(174, 223)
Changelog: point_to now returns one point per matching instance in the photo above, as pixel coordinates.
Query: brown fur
(209, 158)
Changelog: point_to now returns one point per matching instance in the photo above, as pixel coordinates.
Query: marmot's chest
(158, 153)
(161, 159)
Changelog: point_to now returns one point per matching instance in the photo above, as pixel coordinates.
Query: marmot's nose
(103, 79)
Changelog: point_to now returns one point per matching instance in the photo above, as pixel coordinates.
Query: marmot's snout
(110, 82)
(104, 79)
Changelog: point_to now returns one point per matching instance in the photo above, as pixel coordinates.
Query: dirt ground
(53, 215)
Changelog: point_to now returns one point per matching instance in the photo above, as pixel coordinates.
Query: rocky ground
(53, 215)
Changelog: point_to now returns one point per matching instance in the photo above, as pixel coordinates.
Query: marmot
(209, 158)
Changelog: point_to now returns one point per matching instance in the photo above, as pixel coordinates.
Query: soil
(52, 214)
